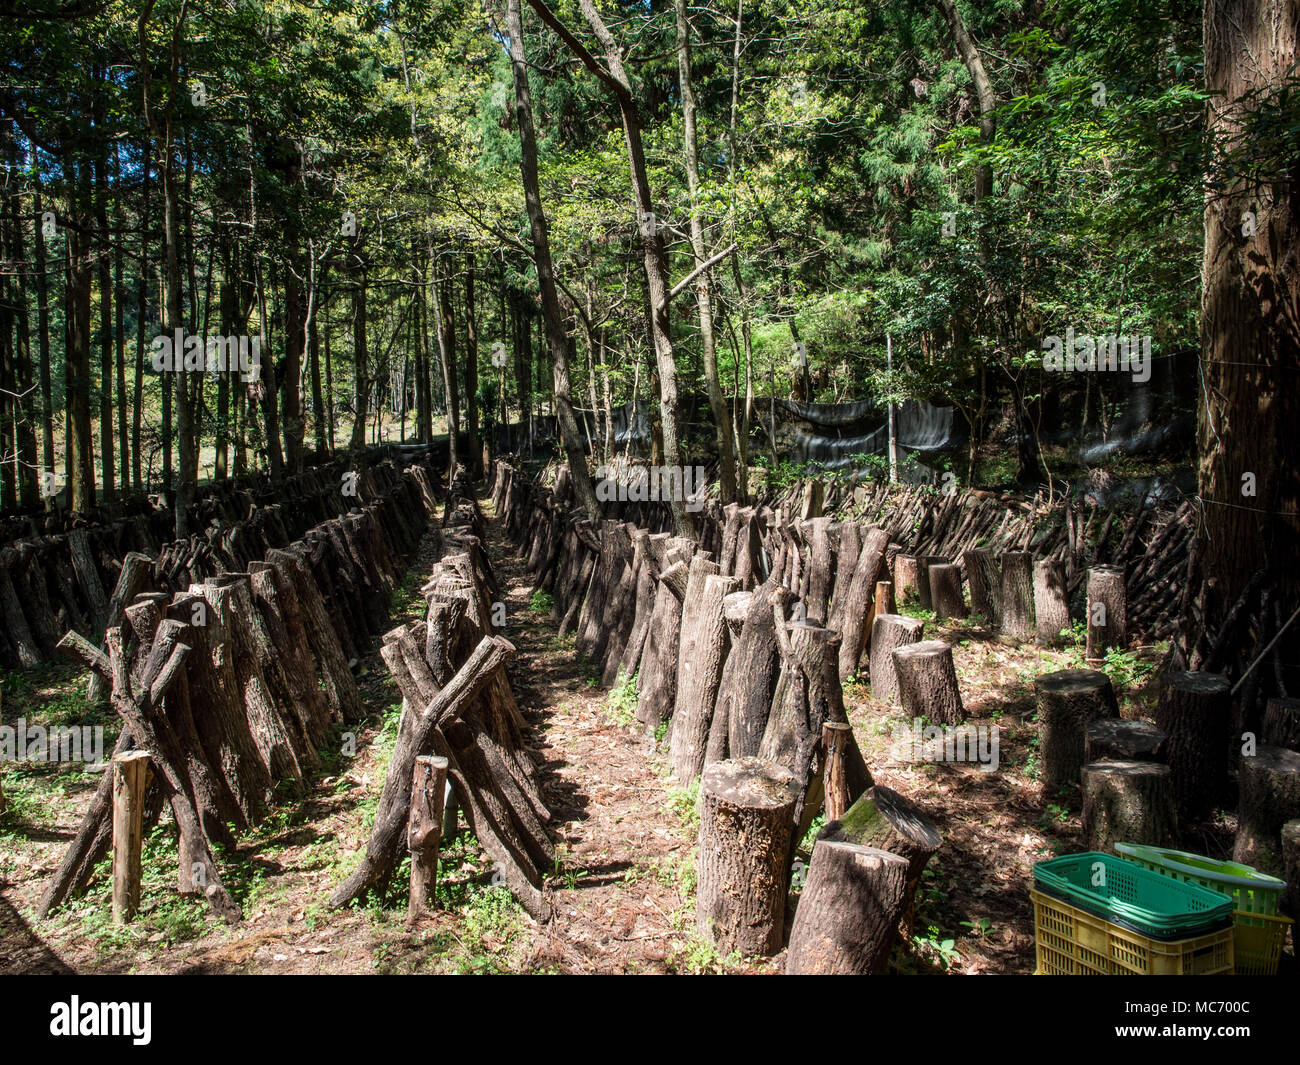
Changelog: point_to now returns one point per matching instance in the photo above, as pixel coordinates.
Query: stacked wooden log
(73, 580)
(736, 642)
(235, 683)
(458, 706)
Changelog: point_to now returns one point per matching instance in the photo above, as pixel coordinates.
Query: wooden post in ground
(1017, 596)
(1051, 604)
(424, 829)
(131, 776)
(1107, 611)
(847, 775)
(1128, 801)
(1270, 797)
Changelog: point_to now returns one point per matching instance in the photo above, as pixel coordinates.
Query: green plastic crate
(1133, 896)
(1250, 891)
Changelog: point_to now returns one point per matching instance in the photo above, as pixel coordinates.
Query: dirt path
(625, 893)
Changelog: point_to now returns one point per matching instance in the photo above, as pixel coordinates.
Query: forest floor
(623, 889)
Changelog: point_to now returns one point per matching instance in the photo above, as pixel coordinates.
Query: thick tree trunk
(1194, 710)
(927, 682)
(889, 632)
(1067, 702)
(1051, 605)
(1017, 596)
(1107, 611)
(744, 855)
(1270, 797)
(1130, 802)
(849, 909)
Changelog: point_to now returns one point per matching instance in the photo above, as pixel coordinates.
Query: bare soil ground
(623, 888)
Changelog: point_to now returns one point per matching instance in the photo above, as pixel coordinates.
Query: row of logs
(460, 722)
(234, 685)
(733, 642)
(80, 579)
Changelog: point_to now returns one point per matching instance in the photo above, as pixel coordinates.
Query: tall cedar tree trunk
(471, 371)
(557, 340)
(80, 460)
(654, 254)
(43, 337)
(703, 294)
(443, 294)
(104, 279)
(1250, 336)
(360, 361)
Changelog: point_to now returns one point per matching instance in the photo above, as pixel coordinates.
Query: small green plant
(980, 927)
(621, 704)
(541, 601)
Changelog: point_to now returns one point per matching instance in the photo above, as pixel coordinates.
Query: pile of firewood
(738, 643)
(51, 584)
(459, 717)
(233, 685)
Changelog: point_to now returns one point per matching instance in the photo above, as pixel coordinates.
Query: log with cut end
(1282, 724)
(857, 604)
(137, 572)
(1051, 604)
(746, 820)
(424, 829)
(1067, 700)
(846, 774)
(820, 571)
(1270, 797)
(1107, 610)
(883, 819)
(888, 633)
(697, 690)
(945, 590)
(849, 911)
(131, 775)
(907, 580)
(927, 682)
(1194, 710)
(808, 694)
(1118, 740)
(657, 673)
(1131, 802)
(1017, 596)
(749, 676)
(985, 579)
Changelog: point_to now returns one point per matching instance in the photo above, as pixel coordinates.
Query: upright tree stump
(849, 910)
(746, 818)
(888, 633)
(1107, 610)
(856, 615)
(885, 820)
(927, 682)
(1067, 701)
(1117, 740)
(945, 591)
(907, 579)
(985, 579)
(1017, 596)
(1131, 802)
(1270, 797)
(1194, 710)
(131, 776)
(424, 829)
(1282, 724)
(1051, 606)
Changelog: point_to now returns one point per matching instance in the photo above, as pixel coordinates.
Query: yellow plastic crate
(1257, 942)
(1070, 942)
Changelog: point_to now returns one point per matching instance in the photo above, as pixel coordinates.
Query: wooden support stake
(131, 776)
(424, 829)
